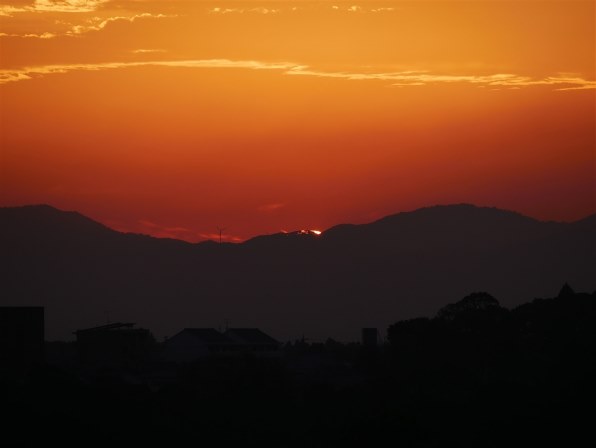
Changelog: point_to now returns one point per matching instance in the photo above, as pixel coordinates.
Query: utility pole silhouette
(220, 230)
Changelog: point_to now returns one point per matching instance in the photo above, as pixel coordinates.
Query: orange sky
(175, 117)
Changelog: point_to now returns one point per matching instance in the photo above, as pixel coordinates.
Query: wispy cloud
(224, 237)
(259, 10)
(68, 5)
(31, 35)
(92, 24)
(97, 24)
(10, 75)
(399, 79)
(148, 50)
(163, 231)
(414, 78)
(382, 9)
(81, 6)
(293, 9)
(73, 6)
(361, 9)
(9, 10)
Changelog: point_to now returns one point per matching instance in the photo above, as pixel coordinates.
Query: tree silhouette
(566, 291)
(477, 301)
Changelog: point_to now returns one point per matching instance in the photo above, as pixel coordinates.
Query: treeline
(482, 375)
(476, 341)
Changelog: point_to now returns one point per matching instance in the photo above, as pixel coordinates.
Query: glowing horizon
(176, 118)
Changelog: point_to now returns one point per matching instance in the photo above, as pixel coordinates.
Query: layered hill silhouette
(352, 276)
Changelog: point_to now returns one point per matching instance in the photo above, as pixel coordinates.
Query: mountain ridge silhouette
(351, 276)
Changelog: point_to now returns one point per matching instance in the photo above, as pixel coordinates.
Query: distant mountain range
(329, 285)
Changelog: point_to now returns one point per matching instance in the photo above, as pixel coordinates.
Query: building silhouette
(21, 338)
(370, 338)
(252, 340)
(194, 343)
(117, 345)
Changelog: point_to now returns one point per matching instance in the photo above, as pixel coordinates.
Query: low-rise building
(21, 337)
(114, 345)
(194, 343)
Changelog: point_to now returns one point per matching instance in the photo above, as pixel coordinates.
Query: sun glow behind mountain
(310, 232)
(178, 118)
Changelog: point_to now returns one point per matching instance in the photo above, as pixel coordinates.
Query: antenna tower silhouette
(221, 229)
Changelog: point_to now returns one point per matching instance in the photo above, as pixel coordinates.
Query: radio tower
(221, 229)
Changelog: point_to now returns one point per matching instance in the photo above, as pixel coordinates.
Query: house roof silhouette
(251, 336)
(207, 335)
(108, 327)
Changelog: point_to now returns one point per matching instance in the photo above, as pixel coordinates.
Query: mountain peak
(463, 210)
(46, 221)
(405, 265)
(465, 220)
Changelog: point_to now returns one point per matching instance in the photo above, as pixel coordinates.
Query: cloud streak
(10, 75)
(415, 78)
(74, 6)
(31, 35)
(158, 230)
(92, 24)
(293, 9)
(148, 50)
(224, 237)
(82, 6)
(398, 79)
(259, 10)
(98, 24)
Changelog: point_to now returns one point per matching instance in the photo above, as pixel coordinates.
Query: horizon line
(322, 232)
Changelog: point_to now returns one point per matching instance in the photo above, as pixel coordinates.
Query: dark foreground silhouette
(476, 375)
(349, 277)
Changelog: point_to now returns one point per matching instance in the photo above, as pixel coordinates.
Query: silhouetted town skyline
(399, 330)
(504, 372)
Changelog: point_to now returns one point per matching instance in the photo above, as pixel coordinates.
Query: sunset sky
(175, 117)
